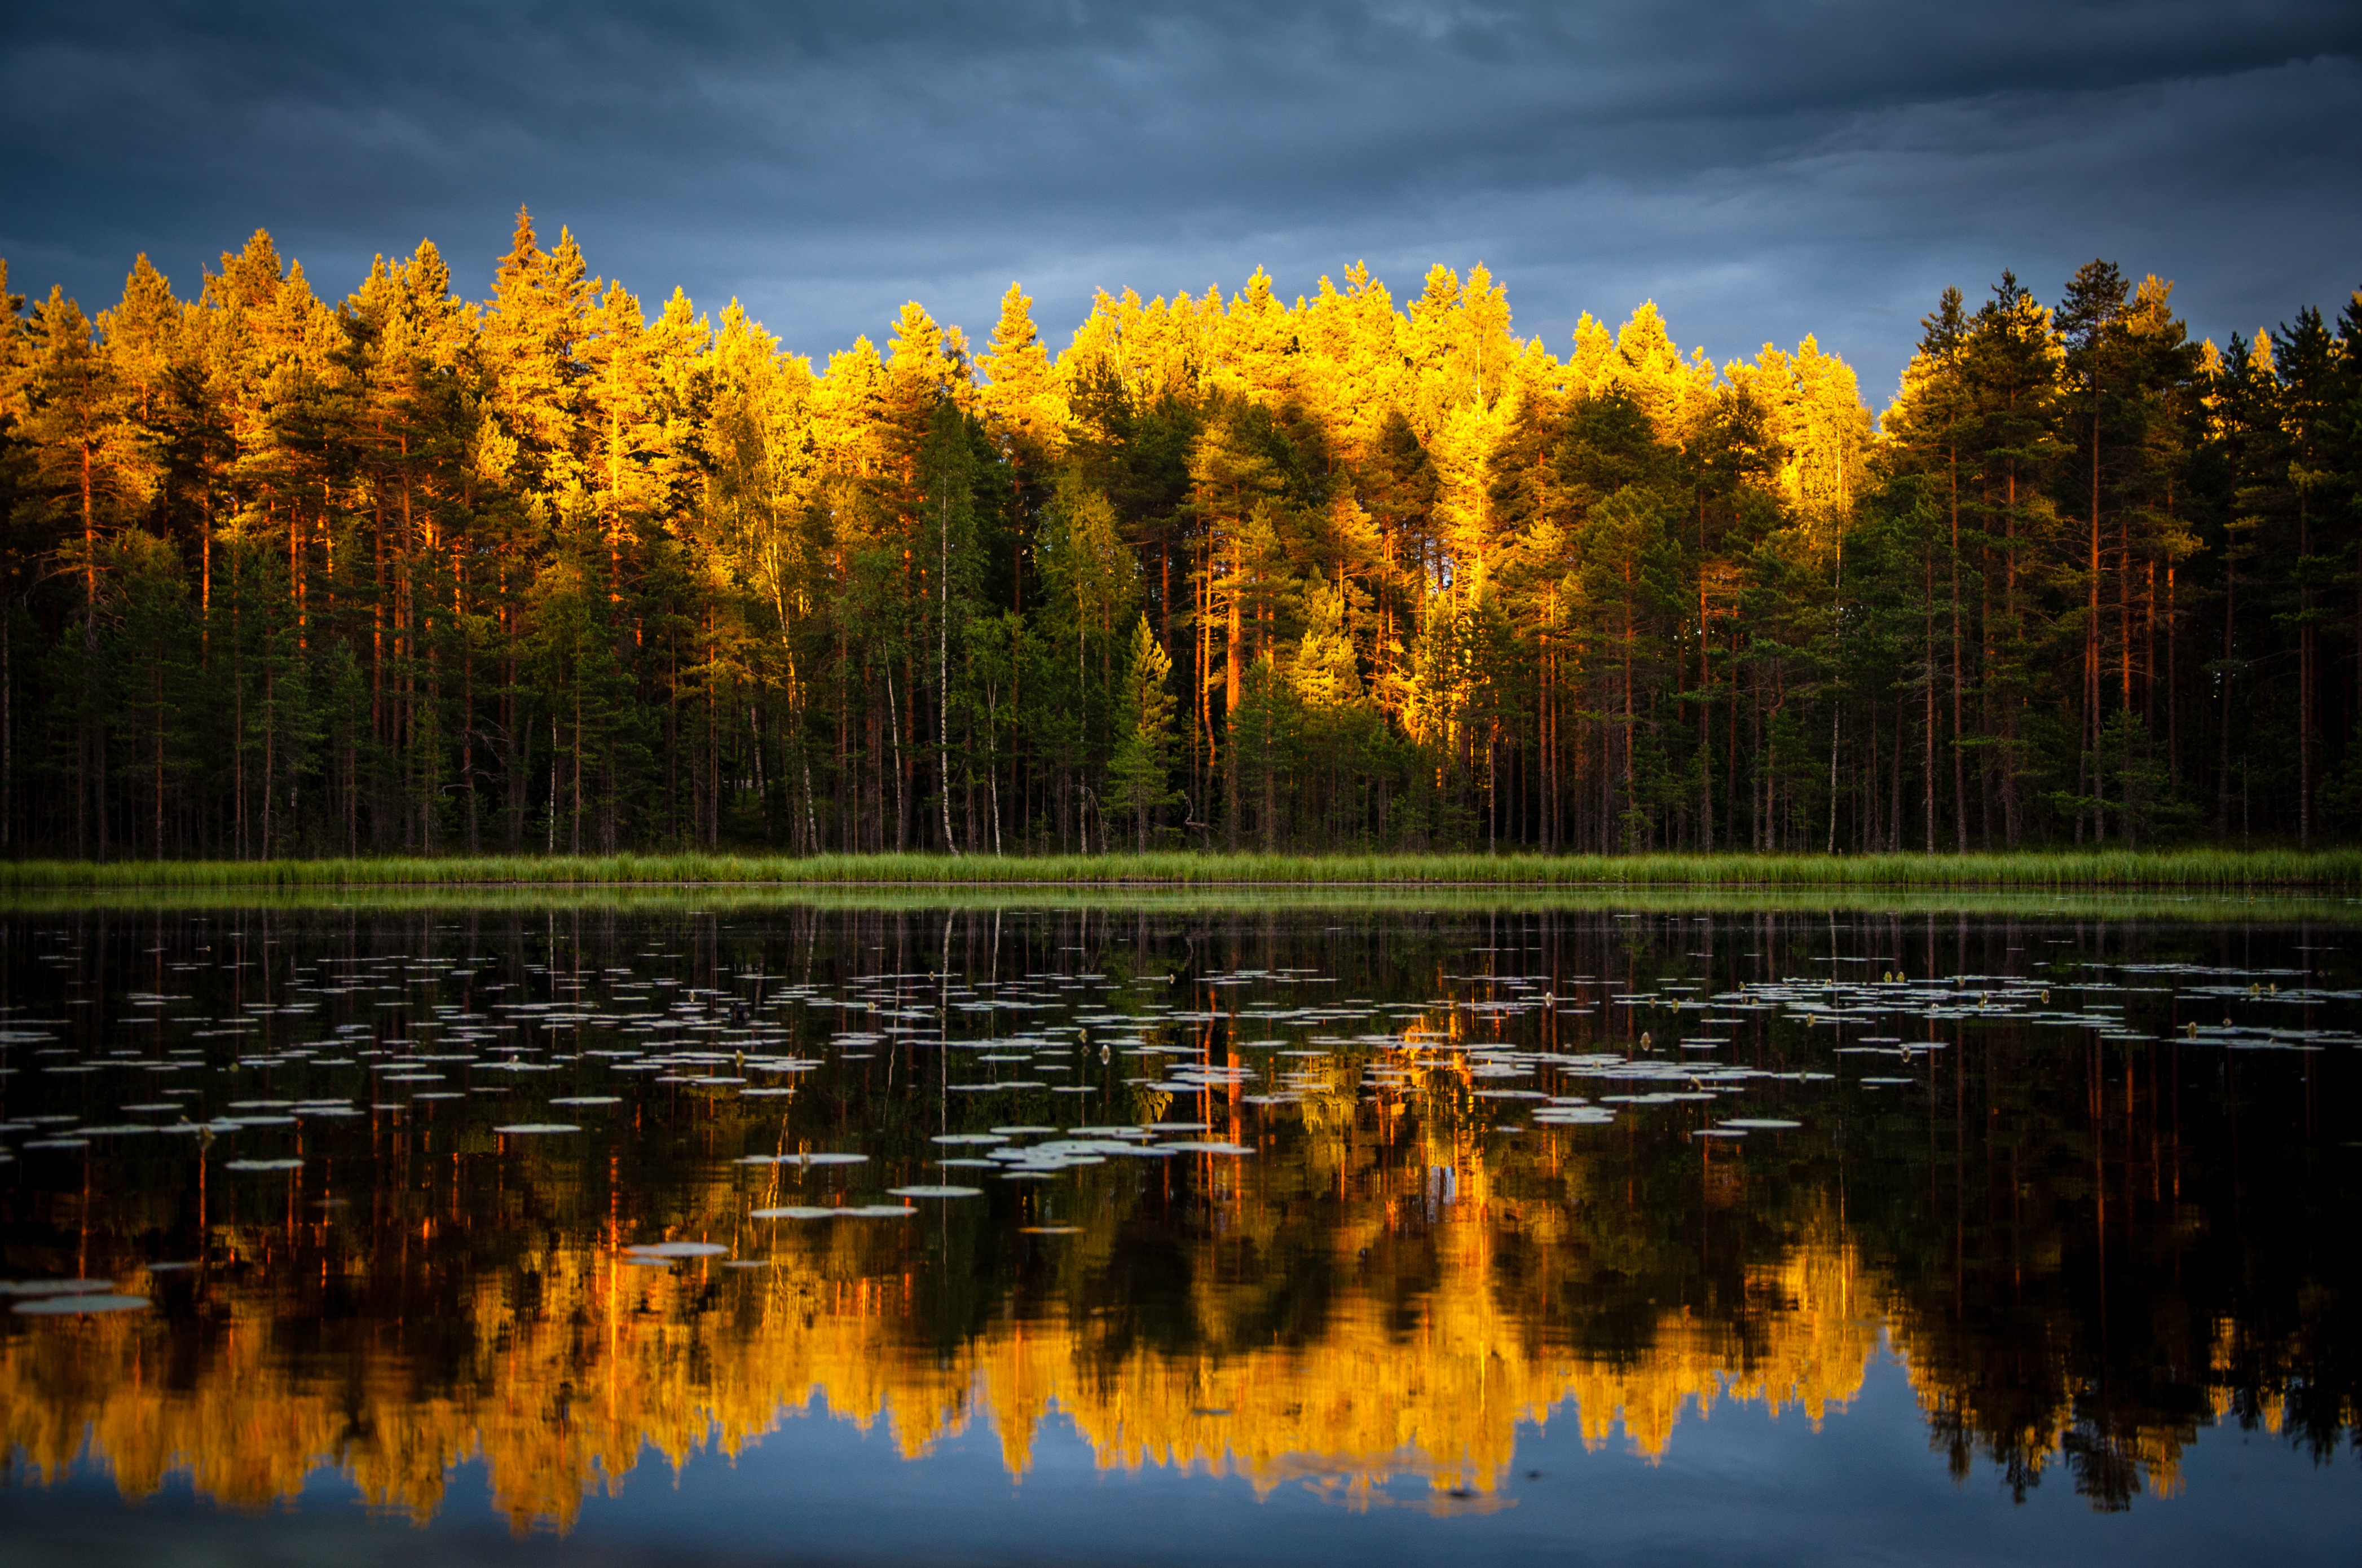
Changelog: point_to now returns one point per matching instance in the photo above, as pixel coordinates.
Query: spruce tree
(1139, 777)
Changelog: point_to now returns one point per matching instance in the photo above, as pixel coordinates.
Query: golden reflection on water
(619, 1358)
(563, 1363)
(1371, 1307)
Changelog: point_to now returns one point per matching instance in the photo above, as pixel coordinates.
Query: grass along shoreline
(2042, 868)
(1202, 901)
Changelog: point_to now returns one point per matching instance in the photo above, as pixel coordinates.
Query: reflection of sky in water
(1442, 1201)
(1742, 1486)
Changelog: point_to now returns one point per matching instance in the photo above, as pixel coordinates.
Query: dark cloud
(1760, 170)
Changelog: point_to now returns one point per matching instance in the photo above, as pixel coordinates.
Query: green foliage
(555, 574)
(1138, 786)
(1814, 875)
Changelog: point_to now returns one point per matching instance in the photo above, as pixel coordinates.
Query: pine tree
(1138, 776)
(638, 579)
(2014, 365)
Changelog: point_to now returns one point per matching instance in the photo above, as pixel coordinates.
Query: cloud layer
(1760, 170)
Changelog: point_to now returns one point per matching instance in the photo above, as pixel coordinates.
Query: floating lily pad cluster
(558, 1059)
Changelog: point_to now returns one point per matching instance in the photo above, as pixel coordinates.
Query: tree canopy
(557, 571)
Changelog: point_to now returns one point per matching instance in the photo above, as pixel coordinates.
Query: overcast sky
(1761, 171)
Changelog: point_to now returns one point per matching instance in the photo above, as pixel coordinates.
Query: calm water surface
(1170, 1234)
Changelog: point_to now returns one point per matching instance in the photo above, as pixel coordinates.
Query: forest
(408, 573)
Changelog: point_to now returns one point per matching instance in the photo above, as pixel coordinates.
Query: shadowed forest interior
(552, 572)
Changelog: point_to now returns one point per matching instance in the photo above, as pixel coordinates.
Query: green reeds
(2030, 870)
(1211, 901)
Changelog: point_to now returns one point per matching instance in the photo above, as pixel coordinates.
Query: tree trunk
(1928, 695)
(1960, 759)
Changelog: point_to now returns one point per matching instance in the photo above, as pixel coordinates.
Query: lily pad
(677, 1249)
(68, 1306)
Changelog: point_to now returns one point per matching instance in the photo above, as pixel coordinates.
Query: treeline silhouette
(407, 573)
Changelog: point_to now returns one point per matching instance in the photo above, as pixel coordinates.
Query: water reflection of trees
(2087, 1253)
(2143, 1241)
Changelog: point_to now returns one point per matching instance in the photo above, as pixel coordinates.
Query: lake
(711, 1228)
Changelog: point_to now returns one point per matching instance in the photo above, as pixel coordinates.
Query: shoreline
(2213, 871)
